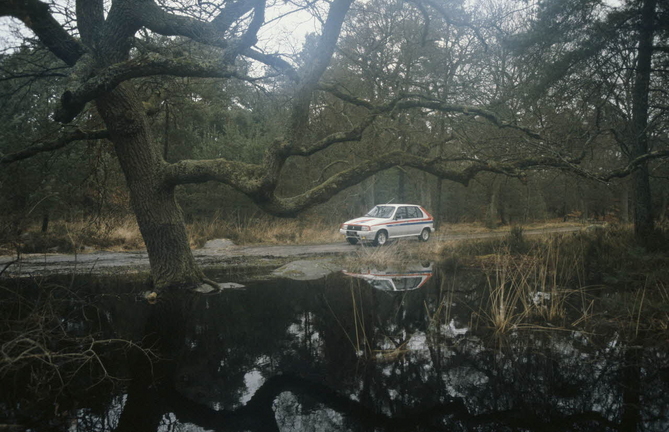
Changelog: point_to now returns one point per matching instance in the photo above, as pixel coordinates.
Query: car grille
(354, 228)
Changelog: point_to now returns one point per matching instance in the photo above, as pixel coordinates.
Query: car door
(414, 225)
(399, 226)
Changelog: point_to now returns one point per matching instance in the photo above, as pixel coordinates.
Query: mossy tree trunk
(153, 201)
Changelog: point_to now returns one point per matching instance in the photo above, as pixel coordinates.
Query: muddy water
(371, 351)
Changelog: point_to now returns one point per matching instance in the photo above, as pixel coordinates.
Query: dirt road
(216, 254)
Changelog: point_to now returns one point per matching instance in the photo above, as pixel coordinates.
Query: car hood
(366, 221)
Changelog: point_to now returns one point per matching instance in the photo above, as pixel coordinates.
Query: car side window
(401, 213)
(414, 212)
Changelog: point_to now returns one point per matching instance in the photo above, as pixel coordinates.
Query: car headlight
(365, 228)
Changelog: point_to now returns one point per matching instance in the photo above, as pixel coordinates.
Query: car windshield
(381, 212)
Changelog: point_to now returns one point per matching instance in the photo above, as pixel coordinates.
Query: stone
(218, 244)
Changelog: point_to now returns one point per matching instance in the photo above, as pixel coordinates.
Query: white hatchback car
(389, 221)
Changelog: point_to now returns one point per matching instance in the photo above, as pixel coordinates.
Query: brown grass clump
(481, 227)
(595, 278)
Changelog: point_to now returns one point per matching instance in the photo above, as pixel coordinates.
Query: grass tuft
(595, 277)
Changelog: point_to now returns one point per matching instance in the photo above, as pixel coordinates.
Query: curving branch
(36, 16)
(242, 176)
(354, 134)
(250, 179)
(156, 19)
(55, 144)
(412, 101)
(634, 164)
(74, 101)
(273, 61)
(250, 37)
(315, 67)
(213, 33)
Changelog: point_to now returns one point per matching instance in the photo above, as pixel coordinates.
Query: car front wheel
(424, 235)
(381, 238)
(352, 240)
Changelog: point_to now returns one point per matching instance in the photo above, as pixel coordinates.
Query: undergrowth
(53, 338)
(123, 234)
(598, 277)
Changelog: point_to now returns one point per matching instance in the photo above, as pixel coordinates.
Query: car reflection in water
(392, 279)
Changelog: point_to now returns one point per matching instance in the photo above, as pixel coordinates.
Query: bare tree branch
(37, 17)
(634, 164)
(417, 101)
(74, 101)
(354, 134)
(58, 143)
(313, 69)
(210, 33)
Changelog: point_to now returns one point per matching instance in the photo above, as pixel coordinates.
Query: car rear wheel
(381, 238)
(424, 235)
(352, 240)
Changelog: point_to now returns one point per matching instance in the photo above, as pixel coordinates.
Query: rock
(151, 297)
(208, 289)
(230, 285)
(205, 289)
(218, 244)
(306, 269)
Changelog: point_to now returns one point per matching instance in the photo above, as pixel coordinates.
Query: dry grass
(397, 254)
(525, 289)
(263, 229)
(480, 227)
(123, 234)
(600, 278)
(77, 236)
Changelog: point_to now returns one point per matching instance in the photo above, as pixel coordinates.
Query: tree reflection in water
(337, 354)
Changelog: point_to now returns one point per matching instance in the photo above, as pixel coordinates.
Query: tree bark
(624, 202)
(643, 216)
(159, 217)
(401, 186)
(439, 217)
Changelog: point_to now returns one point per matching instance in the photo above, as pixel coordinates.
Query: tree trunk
(624, 202)
(158, 215)
(45, 221)
(493, 212)
(438, 217)
(401, 186)
(662, 216)
(643, 217)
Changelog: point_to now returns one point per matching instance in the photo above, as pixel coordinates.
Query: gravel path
(218, 253)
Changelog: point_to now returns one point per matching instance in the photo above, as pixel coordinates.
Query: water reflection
(339, 354)
(392, 279)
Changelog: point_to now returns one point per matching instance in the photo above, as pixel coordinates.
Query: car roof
(399, 205)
